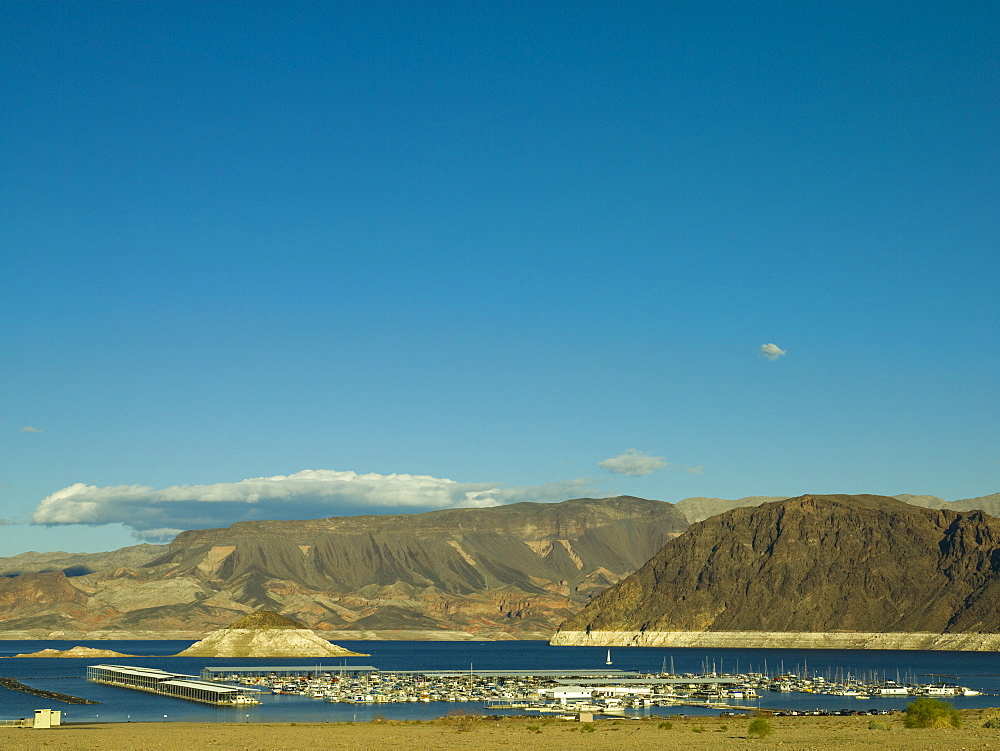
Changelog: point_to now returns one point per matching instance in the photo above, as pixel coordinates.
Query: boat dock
(176, 685)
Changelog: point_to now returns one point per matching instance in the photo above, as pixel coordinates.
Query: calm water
(973, 669)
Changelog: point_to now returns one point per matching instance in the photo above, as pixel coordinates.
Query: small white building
(47, 718)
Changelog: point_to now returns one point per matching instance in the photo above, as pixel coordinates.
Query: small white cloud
(634, 463)
(161, 535)
(772, 351)
(694, 470)
(29, 429)
(310, 494)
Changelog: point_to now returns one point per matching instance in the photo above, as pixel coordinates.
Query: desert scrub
(759, 728)
(876, 725)
(587, 727)
(931, 713)
(465, 725)
(991, 719)
(666, 725)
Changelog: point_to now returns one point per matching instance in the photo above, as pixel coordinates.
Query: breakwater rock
(778, 640)
(15, 685)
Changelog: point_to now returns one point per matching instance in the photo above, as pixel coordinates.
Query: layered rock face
(265, 634)
(810, 565)
(518, 570)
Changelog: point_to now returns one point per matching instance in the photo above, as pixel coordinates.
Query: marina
(602, 691)
(457, 674)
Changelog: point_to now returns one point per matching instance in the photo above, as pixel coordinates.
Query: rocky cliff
(518, 569)
(813, 564)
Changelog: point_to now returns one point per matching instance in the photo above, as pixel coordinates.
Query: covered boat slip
(177, 685)
(282, 671)
(313, 671)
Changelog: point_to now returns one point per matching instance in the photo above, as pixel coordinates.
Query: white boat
(608, 662)
(939, 691)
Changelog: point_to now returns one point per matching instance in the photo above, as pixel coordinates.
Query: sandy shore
(690, 734)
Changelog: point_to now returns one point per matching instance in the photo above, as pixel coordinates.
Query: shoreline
(858, 733)
(780, 640)
(346, 635)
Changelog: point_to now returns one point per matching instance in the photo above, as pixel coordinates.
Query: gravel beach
(691, 734)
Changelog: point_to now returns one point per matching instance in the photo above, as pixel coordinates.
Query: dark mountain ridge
(698, 509)
(815, 564)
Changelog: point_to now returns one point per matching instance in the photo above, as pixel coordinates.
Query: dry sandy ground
(690, 734)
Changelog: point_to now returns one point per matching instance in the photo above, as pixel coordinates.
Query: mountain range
(517, 570)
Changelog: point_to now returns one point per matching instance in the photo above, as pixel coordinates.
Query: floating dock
(176, 685)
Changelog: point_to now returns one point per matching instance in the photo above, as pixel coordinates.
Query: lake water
(978, 670)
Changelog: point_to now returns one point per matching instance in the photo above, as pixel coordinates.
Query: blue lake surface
(978, 670)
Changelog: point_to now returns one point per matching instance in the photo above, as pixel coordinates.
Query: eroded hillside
(518, 569)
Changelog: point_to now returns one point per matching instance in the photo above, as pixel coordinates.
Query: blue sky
(466, 253)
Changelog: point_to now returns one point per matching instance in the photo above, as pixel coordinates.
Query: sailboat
(608, 662)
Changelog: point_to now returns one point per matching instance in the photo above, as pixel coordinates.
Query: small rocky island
(265, 634)
(75, 652)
